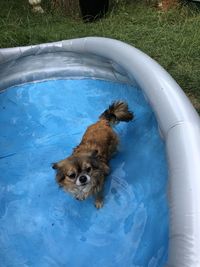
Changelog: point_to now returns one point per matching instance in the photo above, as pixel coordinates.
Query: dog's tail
(117, 111)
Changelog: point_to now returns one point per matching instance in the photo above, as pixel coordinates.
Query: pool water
(41, 225)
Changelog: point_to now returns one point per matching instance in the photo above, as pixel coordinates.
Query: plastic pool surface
(42, 226)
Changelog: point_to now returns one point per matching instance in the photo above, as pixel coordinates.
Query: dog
(83, 173)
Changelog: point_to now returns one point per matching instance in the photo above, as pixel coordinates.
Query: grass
(172, 38)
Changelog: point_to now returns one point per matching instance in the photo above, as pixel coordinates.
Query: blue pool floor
(42, 226)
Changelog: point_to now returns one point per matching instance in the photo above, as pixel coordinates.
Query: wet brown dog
(83, 173)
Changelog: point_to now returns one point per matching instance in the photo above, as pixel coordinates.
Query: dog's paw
(99, 203)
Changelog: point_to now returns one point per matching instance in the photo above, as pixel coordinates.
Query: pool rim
(178, 122)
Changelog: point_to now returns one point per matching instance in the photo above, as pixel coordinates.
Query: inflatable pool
(50, 93)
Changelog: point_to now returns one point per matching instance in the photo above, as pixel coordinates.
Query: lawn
(172, 38)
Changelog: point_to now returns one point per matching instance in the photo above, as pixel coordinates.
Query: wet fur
(91, 157)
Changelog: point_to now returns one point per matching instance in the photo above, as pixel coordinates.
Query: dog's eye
(88, 169)
(72, 175)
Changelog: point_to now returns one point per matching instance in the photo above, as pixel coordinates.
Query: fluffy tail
(117, 111)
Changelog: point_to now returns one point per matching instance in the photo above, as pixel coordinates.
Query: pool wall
(178, 121)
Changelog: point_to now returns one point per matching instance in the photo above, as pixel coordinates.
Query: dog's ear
(94, 158)
(94, 154)
(54, 166)
(105, 168)
(58, 165)
(98, 164)
(59, 174)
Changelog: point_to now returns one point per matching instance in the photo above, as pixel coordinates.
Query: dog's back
(100, 136)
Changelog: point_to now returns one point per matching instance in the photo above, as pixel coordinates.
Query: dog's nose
(83, 179)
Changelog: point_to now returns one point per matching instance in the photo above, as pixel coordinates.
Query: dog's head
(81, 174)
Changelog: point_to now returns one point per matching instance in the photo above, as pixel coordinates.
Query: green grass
(172, 38)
